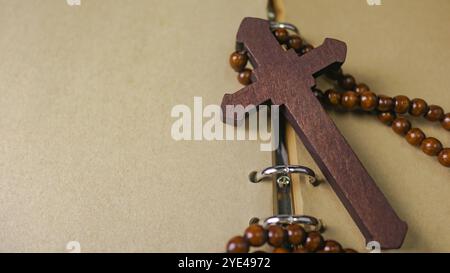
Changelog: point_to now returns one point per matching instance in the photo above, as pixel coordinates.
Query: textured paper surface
(400, 47)
(86, 94)
(85, 150)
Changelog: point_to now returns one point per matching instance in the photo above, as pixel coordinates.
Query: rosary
(284, 72)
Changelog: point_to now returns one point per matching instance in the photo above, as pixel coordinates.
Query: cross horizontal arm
(331, 52)
(246, 97)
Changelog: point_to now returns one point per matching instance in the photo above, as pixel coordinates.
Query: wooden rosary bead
(368, 100)
(418, 107)
(237, 244)
(401, 104)
(431, 146)
(245, 76)
(238, 61)
(347, 82)
(276, 236)
(333, 97)
(314, 241)
(349, 250)
(386, 117)
(331, 246)
(296, 234)
(295, 42)
(415, 136)
(385, 103)
(401, 126)
(305, 49)
(293, 234)
(280, 250)
(446, 122)
(361, 88)
(281, 34)
(350, 100)
(444, 157)
(435, 113)
(256, 235)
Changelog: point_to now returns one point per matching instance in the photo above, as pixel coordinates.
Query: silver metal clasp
(310, 223)
(283, 172)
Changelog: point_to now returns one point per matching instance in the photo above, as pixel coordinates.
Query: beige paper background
(400, 47)
(85, 149)
(86, 94)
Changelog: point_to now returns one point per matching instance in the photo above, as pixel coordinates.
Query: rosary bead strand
(400, 125)
(400, 104)
(359, 95)
(291, 238)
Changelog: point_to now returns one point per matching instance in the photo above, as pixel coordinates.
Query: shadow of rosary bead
(385, 103)
(276, 236)
(418, 107)
(350, 250)
(435, 113)
(401, 104)
(368, 100)
(238, 244)
(238, 61)
(431, 146)
(415, 136)
(446, 122)
(386, 117)
(350, 100)
(401, 126)
(314, 241)
(444, 157)
(296, 234)
(256, 235)
(334, 74)
(347, 82)
(245, 76)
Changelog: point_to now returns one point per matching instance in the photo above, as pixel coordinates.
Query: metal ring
(288, 26)
(294, 219)
(256, 177)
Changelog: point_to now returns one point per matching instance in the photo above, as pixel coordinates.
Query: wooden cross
(283, 78)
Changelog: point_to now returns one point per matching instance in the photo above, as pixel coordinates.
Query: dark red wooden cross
(283, 78)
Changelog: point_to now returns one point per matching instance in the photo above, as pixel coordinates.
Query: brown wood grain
(283, 78)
